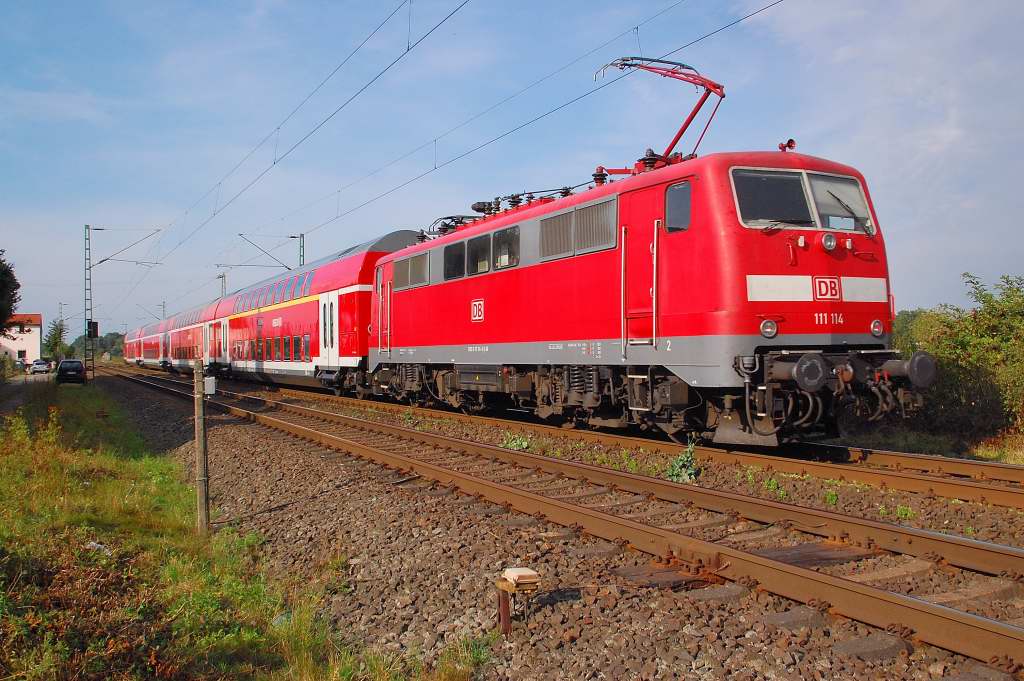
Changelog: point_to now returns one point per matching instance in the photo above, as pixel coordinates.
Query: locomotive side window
(840, 203)
(556, 236)
(455, 261)
(478, 254)
(400, 268)
(418, 269)
(506, 248)
(769, 198)
(595, 227)
(677, 207)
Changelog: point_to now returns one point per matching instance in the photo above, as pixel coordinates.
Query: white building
(26, 342)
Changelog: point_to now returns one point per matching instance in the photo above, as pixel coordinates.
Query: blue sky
(124, 114)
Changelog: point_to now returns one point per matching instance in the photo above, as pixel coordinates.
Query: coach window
(323, 334)
(478, 254)
(296, 349)
(268, 350)
(305, 346)
(455, 261)
(291, 288)
(286, 353)
(308, 285)
(506, 248)
(300, 281)
(677, 207)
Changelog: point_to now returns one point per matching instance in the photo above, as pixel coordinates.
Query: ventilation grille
(556, 236)
(595, 227)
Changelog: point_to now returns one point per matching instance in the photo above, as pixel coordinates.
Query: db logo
(476, 310)
(826, 288)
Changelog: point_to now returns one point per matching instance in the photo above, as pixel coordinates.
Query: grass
(103, 577)
(1005, 448)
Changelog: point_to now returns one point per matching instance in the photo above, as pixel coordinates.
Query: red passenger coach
(307, 327)
(742, 297)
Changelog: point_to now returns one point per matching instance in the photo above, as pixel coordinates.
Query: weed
(684, 467)
(882, 510)
(831, 497)
(771, 484)
(969, 531)
(782, 494)
(515, 441)
(904, 512)
(751, 476)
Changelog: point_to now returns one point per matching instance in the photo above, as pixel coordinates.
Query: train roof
(336, 276)
(681, 169)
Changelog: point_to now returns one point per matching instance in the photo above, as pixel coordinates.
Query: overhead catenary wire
(433, 141)
(527, 123)
(313, 131)
(483, 112)
(281, 157)
(514, 129)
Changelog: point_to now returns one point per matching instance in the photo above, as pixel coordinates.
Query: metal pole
(302, 249)
(202, 471)
(163, 309)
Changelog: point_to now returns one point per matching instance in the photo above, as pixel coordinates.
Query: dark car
(71, 371)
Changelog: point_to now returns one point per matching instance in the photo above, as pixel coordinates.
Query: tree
(55, 341)
(9, 296)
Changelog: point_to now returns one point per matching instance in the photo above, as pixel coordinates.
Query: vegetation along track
(947, 477)
(956, 593)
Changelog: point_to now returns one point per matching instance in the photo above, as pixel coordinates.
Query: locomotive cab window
(506, 248)
(771, 198)
(455, 261)
(478, 254)
(677, 207)
(840, 203)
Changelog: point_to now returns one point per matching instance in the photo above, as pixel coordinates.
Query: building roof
(29, 319)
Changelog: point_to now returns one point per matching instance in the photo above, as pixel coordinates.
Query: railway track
(966, 480)
(955, 593)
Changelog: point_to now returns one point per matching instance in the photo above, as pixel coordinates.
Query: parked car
(71, 371)
(40, 366)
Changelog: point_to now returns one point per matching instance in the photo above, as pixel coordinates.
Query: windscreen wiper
(845, 205)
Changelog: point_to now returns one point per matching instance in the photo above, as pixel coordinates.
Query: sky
(142, 116)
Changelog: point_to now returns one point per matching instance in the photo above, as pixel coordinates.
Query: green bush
(980, 352)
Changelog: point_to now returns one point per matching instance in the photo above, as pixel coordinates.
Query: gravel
(414, 569)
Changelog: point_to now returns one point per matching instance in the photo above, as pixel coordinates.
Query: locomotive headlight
(828, 241)
(769, 328)
(877, 329)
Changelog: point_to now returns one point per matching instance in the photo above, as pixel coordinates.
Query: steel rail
(962, 552)
(978, 637)
(883, 469)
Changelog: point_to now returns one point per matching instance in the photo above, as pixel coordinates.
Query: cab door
(641, 214)
(328, 331)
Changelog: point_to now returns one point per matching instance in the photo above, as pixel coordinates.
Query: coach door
(640, 218)
(384, 299)
(328, 329)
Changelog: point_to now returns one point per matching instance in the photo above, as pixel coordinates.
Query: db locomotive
(740, 297)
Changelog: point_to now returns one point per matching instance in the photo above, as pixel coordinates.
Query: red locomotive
(740, 296)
